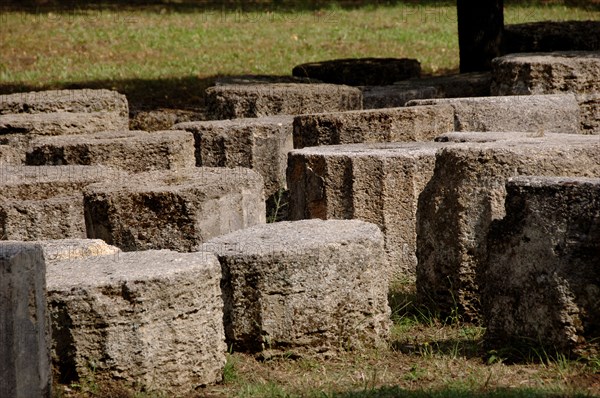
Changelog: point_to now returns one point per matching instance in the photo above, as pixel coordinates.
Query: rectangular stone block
(132, 151)
(153, 320)
(46, 202)
(261, 144)
(61, 123)
(419, 123)
(257, 100)
(377, 183)
(589, 104)
(24, 327)
(466, 193)
(530, 113)
(540, 284)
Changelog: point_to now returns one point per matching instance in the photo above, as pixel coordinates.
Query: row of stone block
(158, 319)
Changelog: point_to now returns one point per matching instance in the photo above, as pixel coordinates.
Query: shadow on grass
(397, 392)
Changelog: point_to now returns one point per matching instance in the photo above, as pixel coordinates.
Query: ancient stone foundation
(306, 286)
(541, 281)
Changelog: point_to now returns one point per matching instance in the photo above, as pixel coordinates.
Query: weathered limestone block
(419, 123)
(377, 183)
(175, 210)
(61, 123)
(549, 36)
(46, 202)
(541, 281)
(74, 101)
(257, 100)
(532, 113)
(360, 71)
(132, 151)
(24, 327)
(153, 319)
(304, 286)
(258, 143)
(466, 193)
(476, 84)
(546, 73)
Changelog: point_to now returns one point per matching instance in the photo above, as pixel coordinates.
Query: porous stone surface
(466, 193)
(550, 36)
(176, 209)
(304, 286)
(60, 123)
(546, 73)
(377, 183)
(488, 136)
(590, 112)
(132, 151)
(360, 71)
(475, 84)
(541, 281)
(10, 155)
(419, 123)
(532, 113)
(151, 319)
(258, 143)
(24, 327)
(257, 100)
(73, 101)
(46, 202)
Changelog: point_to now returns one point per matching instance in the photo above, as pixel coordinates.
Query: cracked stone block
(419, 123)
(132, 151)
(46, 202)
(360, 71)
(541, 281)
(558, 113)
(306, 286)
(24, 327)
(152, 319)
(376, 183)
(466, 193)
(257, 100)
(175, 209)
(261, 144)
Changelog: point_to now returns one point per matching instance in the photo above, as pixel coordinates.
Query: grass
(165, 56)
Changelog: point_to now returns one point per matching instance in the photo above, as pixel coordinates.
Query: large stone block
(377, 183)
(531, 113)
(61, 123)
(361, 71)
(419, 123)
(132, 151)
(304, 286)
(46, 202)
(546, 73)
(476, 84)
(24, 327)
(466, 193)
(150, 319)
(258, 143)
(541, 281)
(257, 100)
(175, 210)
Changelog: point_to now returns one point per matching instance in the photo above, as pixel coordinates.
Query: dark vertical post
(480, 26)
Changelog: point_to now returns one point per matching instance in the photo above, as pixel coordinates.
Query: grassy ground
(165, 55)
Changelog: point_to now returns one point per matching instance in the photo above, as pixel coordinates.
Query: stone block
(547, 36)
(476, 84)
(590, 112)
(61, 123)
(419, 123)
(306, 286)
(174, 210)
(466, 193)
(258, 143)
(46, 202)
(132, 151)
(24, 327)
(151, 319)
(541, 281)
(360, 71)
(488, 136)
(10, 155)
(546, 73)
(377, 183)
(258, 100)
(531, 113)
